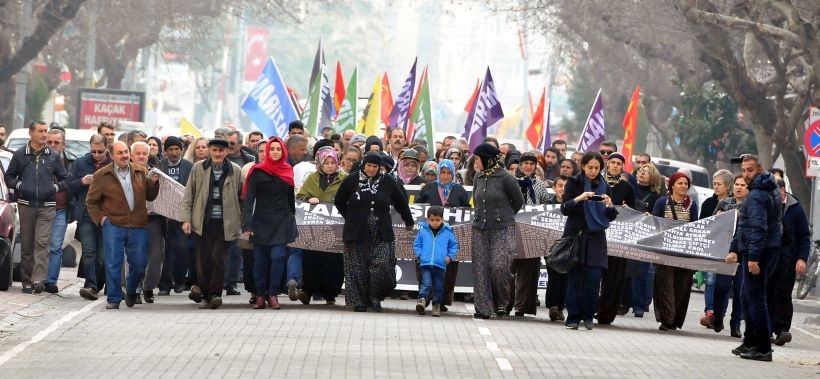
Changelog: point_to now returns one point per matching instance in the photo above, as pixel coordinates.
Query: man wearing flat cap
(211, 210)
(175, 267)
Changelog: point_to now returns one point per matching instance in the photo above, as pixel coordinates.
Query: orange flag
(339, 88)
(536, 127)
(387, 101)
(630, 128)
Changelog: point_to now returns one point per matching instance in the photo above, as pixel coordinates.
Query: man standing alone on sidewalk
(36, 175)
(116, 201)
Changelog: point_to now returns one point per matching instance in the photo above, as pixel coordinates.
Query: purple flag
(546, 138)
(486, 112)
(594, 132)
(401, 109)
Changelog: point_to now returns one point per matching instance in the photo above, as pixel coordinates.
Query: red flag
(411, 128)
(631, 127)
(387, 101)
(536, 127)
(339, 89)
(469, 106)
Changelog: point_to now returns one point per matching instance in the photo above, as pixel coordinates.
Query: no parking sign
(811, 141)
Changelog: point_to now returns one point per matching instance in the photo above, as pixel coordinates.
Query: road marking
(19, 348)
(503, 364)
(484, 331)
(807, 332)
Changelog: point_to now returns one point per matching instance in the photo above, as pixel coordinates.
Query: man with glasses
(36, 175)
(235, 153)
(640, 160)
(92, 264)
(55, 139)
(108, 131)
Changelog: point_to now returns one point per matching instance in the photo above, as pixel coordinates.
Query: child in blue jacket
(435, 248)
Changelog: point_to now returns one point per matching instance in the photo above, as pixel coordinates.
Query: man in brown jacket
(116, 201)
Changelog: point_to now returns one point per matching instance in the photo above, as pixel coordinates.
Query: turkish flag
(256, 52)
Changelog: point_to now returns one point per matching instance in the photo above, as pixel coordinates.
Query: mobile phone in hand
(596, 198)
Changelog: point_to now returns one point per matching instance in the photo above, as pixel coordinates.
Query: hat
(487, 153)
(430, 167)
(296, 125)
(617, 156)
(173, 141)
(387, 161)
(410, 154)
(358, 138)
(218, 142)
(324, 142)
(674, 178)
(373, 140)
(513, 157)
(528, 157)
(372, 157)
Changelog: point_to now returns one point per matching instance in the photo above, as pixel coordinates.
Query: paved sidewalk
(72, 337)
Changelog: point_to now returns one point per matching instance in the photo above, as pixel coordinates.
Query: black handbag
(563, 254)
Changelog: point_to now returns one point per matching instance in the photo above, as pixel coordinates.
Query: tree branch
(744, 25)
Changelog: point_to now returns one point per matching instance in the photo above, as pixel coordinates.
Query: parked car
(76, 140)
(701, 179)
(8, 223)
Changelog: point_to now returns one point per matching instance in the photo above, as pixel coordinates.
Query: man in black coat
(176, 265)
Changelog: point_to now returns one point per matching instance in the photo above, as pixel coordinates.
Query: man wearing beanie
(176, 265)
(497, 198)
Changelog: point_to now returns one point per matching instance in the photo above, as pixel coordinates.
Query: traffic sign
(812, 137)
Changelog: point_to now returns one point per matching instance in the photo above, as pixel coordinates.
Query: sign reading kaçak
(97, 105)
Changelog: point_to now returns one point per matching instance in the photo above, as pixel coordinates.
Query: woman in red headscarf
(268, 219)
(673, 284)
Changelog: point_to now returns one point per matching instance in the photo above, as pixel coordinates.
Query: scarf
(526, 184)
(494, 164)
(595, 211)
(368, 184)
(612, 180)
(448, 164)
(406, 178)
(280, 168)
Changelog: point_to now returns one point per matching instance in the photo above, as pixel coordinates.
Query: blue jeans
(709, 291)
(295, 265)
(233, 264)
(90, 236)
(117, 243)
(725, 284)
(269, 268)
(583, 286)
(432, 276)
(758, 329)
(55, 248)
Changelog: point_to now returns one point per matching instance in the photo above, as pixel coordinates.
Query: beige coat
(197, 194)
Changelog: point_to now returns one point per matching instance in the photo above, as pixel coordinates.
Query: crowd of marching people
(238, 219)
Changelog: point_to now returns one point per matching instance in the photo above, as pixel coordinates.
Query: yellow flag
(372, 115)
(187, 127)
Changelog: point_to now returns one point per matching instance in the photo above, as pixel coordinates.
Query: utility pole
(91, 44)
(21, 79)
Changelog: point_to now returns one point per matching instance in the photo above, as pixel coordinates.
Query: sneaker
(130, 300)
(26, 289)
(757, 356)
(708, 320)
(436, 310)
(572, 326)
(89, 293)
(377, 306)
(232, 291)
(164, 293)
(149, 296)
(743, 348)
(293, 291)
(736, 332)
(554, 313)
(51, 288)
(204, 304)
(783, 338)
(420, 305)
(112, 306)
(179, 288)
(215, 302)
(480, 316)
(39, 287)
(589, 325)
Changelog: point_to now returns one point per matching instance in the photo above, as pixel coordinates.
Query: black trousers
(323, 273)
(556, 289)
(211, 252)
(247, 270)
(779, 294)
(612, 287)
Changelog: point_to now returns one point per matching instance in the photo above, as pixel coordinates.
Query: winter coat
(796, 235)
(269, 210)
(432, 250)
(497, 199)
(82, 167)
(758, 225)
(311, 188)
(593, 249)
(36, 177)
(356, 206)
(457, 198)
(106, 198)
(197, 199)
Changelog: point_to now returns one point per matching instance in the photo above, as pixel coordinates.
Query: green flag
(347, 113)
(422, 117)
(310, 116)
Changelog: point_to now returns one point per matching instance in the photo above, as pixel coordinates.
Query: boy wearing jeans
(435, 248)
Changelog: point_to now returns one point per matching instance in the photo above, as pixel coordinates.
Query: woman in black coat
(589, 210)
(364, 200)
(268, 218)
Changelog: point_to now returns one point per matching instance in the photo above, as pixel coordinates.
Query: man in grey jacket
(211, 210)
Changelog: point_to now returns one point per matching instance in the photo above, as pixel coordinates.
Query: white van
(701, 179)
(76, 140)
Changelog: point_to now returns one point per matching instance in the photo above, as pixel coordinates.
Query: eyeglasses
(605, 152)
(97, 151)
(232, 143)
